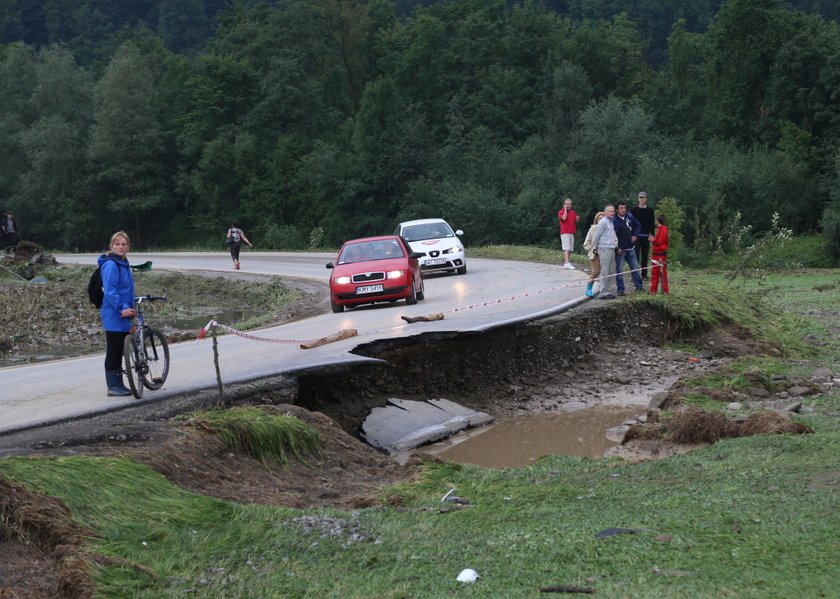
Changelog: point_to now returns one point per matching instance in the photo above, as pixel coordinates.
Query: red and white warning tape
(248, 336)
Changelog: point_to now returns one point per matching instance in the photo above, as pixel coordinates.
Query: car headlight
(453, 250)
(396, 274)
(342, 280)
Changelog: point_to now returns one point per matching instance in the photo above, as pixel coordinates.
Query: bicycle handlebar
(149, 298)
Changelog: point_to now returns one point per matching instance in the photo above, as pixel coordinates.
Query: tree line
(313, 121)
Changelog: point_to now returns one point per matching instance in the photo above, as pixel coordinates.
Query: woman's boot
(115, 384)
(589, 290)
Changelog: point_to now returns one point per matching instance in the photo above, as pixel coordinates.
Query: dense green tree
(677, 94)
(610, 53)
(613, 137)
(11, 24)
(745, 38)
(345, 116)
(17, 83)
(183, 24)
(52, 191)
(830, 221)
(568, 93)
(127, 146)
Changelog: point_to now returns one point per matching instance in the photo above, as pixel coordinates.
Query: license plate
(369, 289)
(435, 262)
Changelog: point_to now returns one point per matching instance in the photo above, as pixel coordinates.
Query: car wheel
(412, 298)
(421, 295)
(462, 270)
(337, 308)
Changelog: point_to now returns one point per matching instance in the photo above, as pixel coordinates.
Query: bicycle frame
(146, 353)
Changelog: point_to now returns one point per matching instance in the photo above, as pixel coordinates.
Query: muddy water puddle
(519, 441)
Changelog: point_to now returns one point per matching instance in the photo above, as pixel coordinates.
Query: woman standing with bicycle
(117, 309)
(235, 237)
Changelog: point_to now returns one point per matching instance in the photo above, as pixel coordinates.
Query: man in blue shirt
(627, 232)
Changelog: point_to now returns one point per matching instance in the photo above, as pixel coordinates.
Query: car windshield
(370, 250)
(427, 231)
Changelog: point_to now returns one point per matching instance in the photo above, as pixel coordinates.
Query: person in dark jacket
(627, 232)
(8, 231)
(645, 215)
(117, 309)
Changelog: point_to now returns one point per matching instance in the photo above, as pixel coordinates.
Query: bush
(831, 231)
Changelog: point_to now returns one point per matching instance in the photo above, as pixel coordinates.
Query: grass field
(748, 517)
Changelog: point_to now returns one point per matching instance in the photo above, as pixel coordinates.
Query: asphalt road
(494, 293)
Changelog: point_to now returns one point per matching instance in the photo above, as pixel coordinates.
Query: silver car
(444, 251)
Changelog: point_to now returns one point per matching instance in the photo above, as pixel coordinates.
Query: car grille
(365, 277)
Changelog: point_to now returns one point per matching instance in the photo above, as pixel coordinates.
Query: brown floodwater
(519, 441)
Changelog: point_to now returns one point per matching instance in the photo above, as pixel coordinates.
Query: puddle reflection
(519, 441)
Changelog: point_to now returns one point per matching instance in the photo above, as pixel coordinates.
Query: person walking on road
(594, 261)
(568, 227)
(626, 229)
(605, 243)
(117, 309)
(659, 262)
(235, 237)
(645, 215)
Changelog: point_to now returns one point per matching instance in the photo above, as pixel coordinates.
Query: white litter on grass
(467, 575)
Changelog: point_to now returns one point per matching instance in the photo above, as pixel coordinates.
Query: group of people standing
(618, 236)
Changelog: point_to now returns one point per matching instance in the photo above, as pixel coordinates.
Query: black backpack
(95, 292)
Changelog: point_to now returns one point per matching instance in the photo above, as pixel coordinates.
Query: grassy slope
(751, 517)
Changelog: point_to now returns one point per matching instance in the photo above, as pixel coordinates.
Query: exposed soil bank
(595, 354)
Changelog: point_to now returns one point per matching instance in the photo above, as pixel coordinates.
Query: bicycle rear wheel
(156, 351)
(133, 366)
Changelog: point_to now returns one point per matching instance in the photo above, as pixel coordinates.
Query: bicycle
(146, 353)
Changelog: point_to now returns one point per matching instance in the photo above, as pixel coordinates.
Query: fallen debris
(342, 334)
(611, 532)
(692, 425)
(428, 318)
(405, 424)
(563, 588)
(467, 575)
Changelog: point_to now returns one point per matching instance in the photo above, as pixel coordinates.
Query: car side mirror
(459, 232)
(416, 255)
(330, 265)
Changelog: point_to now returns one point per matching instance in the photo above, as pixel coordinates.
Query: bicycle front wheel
(133, 365)
(156, 352)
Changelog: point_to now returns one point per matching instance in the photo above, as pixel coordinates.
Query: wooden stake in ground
(218, 371)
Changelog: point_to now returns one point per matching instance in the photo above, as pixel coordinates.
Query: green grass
(753, 517)
(525, 253)
(258, 432)
(750, 517)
